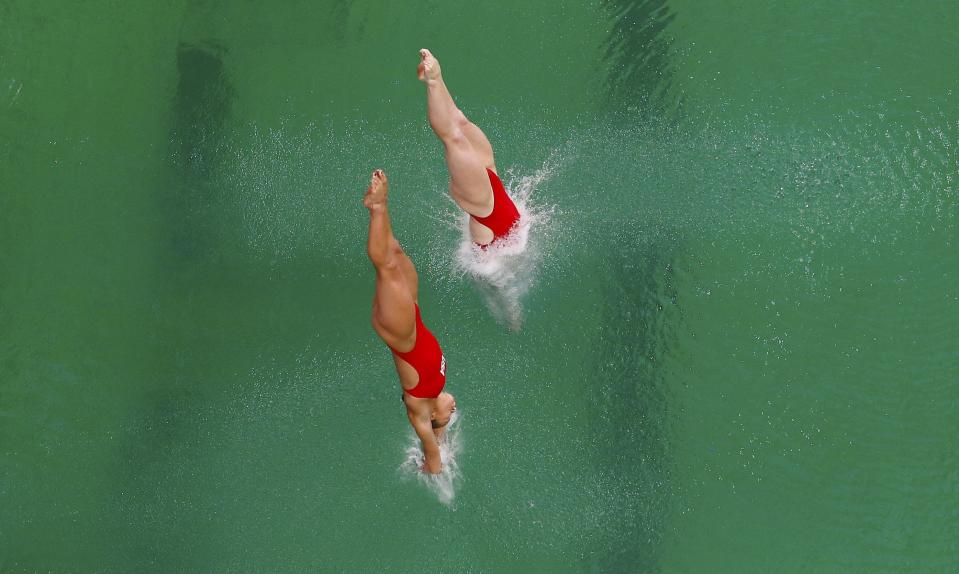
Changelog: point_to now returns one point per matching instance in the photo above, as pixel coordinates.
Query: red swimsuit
(504, 215)
(428, 360)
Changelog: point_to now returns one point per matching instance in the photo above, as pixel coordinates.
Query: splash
(444, 484)
(506, 270)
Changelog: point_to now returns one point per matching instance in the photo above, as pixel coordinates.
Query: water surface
(739, 353)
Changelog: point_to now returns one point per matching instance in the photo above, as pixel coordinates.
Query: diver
(474, 183)
(419, 359)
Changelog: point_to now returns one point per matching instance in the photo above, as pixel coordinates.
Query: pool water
(739, 348)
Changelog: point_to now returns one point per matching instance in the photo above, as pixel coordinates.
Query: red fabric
(428, 360)
(504, 215)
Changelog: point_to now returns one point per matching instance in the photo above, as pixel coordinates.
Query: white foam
(505, 271)
(444, 484)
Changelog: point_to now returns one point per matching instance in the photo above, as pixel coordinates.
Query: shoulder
(418, 408)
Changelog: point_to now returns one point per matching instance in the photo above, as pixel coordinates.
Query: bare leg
(468, 151)
(479, 140)
(394, 315)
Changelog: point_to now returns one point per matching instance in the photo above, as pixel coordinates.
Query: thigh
(410, 276)
(469, 182)
(394, 314)
(480, 143)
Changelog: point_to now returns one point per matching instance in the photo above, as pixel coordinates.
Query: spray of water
(505, 271)
(444, 484)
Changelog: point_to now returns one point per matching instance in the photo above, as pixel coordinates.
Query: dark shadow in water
(201, 110)
(339, 17)
(162, 472)
(632, 401)
(637, 53)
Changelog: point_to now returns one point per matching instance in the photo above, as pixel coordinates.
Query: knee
(460, 119)
(456, 139)
(383, 260)
(385, 266)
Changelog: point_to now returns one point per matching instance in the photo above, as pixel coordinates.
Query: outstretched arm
(431, 448)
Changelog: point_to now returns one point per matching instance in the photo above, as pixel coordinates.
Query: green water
(739, 354)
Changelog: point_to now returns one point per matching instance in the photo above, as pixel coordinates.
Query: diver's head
(443, 410)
